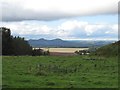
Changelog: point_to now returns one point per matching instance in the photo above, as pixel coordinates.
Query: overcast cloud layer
(17, 10)
(34, 19)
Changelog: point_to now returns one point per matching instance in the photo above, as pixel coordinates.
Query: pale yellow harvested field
(64, 50)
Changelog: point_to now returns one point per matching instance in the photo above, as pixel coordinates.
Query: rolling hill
(109, 50)
(64, 43)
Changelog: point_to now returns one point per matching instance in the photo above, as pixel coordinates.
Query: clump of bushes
(82, 52)
(38, 52)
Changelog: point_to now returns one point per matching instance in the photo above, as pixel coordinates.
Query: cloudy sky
(65, 19)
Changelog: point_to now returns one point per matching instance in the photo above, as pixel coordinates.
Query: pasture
(59, 72)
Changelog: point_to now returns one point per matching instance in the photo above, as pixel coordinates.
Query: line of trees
(16, 45)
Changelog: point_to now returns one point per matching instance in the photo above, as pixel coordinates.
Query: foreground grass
(59, 72)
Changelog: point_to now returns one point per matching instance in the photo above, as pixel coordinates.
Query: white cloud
(77, 29)
(15, 10)
(29, 29)
(72, 29)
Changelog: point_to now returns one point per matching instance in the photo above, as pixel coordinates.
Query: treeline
(16, 45)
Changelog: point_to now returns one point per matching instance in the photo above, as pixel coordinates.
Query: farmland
(60, 72)
(64, 50)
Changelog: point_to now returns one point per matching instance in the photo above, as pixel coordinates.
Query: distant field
(64, 50)
(59, 72)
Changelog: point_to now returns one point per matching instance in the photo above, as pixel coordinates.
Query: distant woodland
(17, 45)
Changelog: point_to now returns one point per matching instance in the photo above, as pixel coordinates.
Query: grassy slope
(109, 50)
(59, 72)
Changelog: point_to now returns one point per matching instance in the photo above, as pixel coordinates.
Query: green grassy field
(59, 72)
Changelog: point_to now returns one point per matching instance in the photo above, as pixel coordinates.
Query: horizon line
(90, 39)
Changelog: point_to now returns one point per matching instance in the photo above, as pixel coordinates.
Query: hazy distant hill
(48, 43)
(109, 50)
(62, 43)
